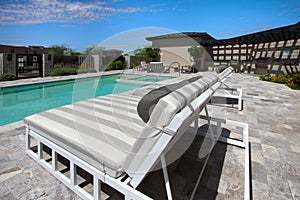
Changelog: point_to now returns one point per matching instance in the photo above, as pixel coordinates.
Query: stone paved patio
(272, 112)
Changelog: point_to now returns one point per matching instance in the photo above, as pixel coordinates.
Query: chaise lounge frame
(229, 91)
(156, 67)
(242, 143)
(125, 184)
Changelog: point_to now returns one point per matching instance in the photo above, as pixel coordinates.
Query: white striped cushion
(100, 131)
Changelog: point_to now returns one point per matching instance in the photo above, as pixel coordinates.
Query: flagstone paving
(272, 112)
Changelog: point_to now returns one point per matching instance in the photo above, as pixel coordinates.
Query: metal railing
(169, 68)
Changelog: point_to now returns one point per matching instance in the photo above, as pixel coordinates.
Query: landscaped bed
(290, 80)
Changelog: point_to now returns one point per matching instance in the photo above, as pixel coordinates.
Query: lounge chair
(186, 69)
(143, 66)
(224, 72)
(156, 67)
(106, 137)
(236, 65)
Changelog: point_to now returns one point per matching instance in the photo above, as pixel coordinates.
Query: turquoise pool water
(18, 102)
(153, 78)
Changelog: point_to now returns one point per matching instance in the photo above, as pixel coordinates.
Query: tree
(196, 52)
(198, 55)
(148, 52)
(63, 54)
(58, 51)
(74, 53)
(93, 50)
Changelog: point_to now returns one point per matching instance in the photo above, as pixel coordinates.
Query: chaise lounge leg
(243, 144)
(214, 137)
(40, 150)
(27, 140)
(73, 172)
(240, 103)
(54, 160)
(166, 177)
(199, 178)
(97, 188)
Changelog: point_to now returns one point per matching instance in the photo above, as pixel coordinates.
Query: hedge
(64, 71)
(8, 77)
(290, 80)
(116, 65)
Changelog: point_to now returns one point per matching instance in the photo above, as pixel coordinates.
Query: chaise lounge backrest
(156, 67)
(165, 121)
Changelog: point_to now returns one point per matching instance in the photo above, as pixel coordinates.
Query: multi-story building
(24, 62)
(271, 51)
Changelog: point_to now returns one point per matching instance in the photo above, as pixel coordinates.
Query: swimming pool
(150, 78)
(18, 102)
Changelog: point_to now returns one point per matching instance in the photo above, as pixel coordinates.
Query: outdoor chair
(224, 72)
(186, 69)
(156, 67)
(143, 66)
(236, 65)
(106, 137)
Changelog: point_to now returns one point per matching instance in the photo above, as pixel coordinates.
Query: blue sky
(84, 23)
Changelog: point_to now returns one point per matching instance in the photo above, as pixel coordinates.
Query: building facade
(25, 62)
(272, 51)
(174, 47)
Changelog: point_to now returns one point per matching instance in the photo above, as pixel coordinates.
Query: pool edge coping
(49, 79)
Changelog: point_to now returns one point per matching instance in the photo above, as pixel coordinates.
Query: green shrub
(58, 65)
(7, 77)
(266, 77)
(92, 70)
(63, 71)
(294, 81)
(280, 79)
(116, 65)
(83, 70)
(290, 80)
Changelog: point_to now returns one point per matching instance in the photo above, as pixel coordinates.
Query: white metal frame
(243, 143)
(124, 184)
(155, 67)
(229, 93)
(127, 187)
(120, 184)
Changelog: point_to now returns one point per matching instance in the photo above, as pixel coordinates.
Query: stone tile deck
(272, 112)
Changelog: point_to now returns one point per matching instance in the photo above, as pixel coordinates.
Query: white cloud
(264, 27)
(13, 39)
(40, 11)
(67, 25)
(247, 30)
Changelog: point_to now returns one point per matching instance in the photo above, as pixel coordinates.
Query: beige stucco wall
(176, 50)
(175, 54)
